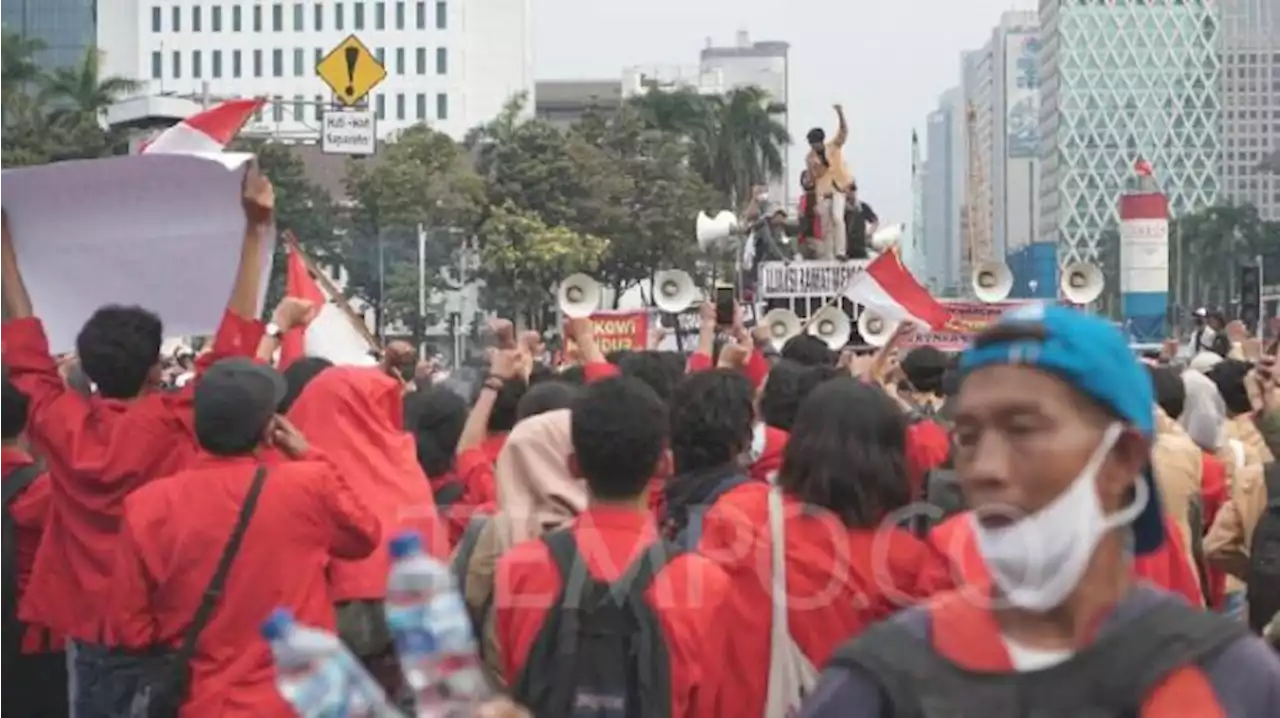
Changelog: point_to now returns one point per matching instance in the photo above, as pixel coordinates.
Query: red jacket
(30, 511)
(1213, 494)
(928, 447)
(173, 534)
(687, 595)
(92, 471)
(839, 581)
(355, 416)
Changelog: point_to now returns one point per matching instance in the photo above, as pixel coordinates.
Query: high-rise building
(764, 65)
(66, 27)
(977, 221)
(943, 193)
(1250, 32)
(1122, 81)
(1015, 130)
(450, 63)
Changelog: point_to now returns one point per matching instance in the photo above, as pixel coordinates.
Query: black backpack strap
(1129, 663)
(640, 574)
(448, 493)
(13, 484)
(213, 592)
(461, 563)
(1271, 477)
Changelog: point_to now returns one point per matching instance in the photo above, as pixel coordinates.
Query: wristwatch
(273, 330)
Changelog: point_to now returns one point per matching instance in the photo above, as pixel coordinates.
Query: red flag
(331, 333)
(888, 288)
(1143, 168)
(208, 131)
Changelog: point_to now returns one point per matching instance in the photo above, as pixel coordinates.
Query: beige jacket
(1178, 469)
(1227, 544)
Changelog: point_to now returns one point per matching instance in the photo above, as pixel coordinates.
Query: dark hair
(296, 377)
(435, 416)
(780, 397)
(14, 410)
(546, 396)
(573, 375)
(651, 368)
(711, 419)
(503, 416)
(808, 350)
(816, 376)
(817, 134)
(847, 453)
(616, 356)
(1171, 393)
(619, 430)
(1229, 375)
(924, 368)
(118, 347)
(540, 373)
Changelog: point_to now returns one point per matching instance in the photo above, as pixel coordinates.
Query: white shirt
(1026, 659)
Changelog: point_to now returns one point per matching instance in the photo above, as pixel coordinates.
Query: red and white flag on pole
(1143, 168)
(208, 131)
(887, 288)
(331, 334)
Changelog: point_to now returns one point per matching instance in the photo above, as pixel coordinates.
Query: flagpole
(422, 291)
(332, 290)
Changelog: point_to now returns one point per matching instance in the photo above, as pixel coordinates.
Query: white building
(1014, 164)
(764, 65)
(943, 193)
(1251, 102)
(977, 80)
(451, 63)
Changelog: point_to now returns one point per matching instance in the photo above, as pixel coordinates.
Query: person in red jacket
(92, 469)
(35, 665)
(619, 431)
(175, 529)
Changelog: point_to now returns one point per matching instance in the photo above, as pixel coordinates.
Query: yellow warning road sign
(351, 70)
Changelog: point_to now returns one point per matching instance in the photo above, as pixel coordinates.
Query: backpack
(600, 652)
(941, 484)
(1110, 679)
(689, 535)
(13, 484)
(1263, 591)
(461, 567)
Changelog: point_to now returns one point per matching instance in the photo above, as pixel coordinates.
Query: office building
(450, 63)
(66, 27)
(1015, 130)
(1250, 35)
(943, 193)
(977, 221)
(1119, 82)
(563, 102)
(764, 65)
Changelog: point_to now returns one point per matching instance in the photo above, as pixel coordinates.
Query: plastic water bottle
(318, 676)
(432, 631)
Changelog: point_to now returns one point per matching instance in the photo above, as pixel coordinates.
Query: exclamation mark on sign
(352, 54)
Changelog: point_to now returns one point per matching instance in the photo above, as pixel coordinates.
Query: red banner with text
(621, 330)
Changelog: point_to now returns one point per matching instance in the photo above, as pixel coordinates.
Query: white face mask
(1038, 561)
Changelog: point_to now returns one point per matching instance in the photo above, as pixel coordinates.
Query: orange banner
(967, 320)
(621, 330)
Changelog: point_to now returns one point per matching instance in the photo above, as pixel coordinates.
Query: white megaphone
(579, 296)
(992, 281)
(832, 326)
(783, 324)
(711, 231)
(1082, 282)
(887, 238)
(875, 330)
(673, 291)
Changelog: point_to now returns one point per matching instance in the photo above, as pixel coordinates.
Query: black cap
(234, 400)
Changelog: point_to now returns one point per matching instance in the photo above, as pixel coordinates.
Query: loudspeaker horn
(875, 330)
(673, 290)
(992, 281)
(832, 326)
(783, 324)
(579, 296)
(887, 238)
(1082, 283)
(711, 231)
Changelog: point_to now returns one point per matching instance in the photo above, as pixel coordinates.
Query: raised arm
(842, 133)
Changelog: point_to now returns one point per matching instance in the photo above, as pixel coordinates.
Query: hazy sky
(886, 61)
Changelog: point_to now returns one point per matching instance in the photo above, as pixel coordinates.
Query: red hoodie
(355, 416)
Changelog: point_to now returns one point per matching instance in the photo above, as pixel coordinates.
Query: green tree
(1215, 241)
(648, 197)
(302, 207)
(423, 178)
(735, 141)
(523, 259)
(81, 90)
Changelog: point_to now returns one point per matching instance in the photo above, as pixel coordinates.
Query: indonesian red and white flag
(208, 131)
(1143, 168)
(331, 334)
(887, 287)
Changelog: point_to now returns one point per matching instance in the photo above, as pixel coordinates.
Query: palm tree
(82, 90)
(19, 65)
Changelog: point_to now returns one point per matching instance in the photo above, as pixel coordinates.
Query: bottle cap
(277, 624)
(406, 544)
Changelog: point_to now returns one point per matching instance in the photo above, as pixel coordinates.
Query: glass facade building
(68, 28)
(1122, 80)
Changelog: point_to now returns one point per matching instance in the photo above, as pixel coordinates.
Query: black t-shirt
(856, 218)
